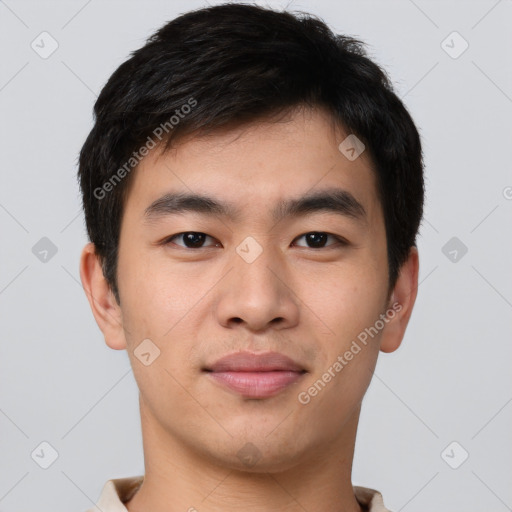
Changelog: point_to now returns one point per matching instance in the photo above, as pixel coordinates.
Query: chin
(257, 452)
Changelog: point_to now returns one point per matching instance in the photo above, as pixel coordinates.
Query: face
(266, 269)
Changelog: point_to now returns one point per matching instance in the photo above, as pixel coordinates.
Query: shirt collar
(120, 490)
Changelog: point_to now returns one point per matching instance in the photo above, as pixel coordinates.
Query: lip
(255, 375)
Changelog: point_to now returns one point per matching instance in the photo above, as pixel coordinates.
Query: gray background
(450, 380)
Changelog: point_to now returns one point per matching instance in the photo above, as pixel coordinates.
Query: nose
(257, 294)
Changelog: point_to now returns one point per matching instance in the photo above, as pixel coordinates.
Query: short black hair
(231, 64)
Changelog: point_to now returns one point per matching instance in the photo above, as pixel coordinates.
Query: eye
(191, 240)
(317, 240)
(196, 240)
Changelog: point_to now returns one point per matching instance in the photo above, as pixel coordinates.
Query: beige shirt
(118, 491)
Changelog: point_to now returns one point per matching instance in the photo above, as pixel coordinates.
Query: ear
(104, 306)
(401, 303)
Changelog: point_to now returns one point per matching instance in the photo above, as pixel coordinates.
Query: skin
(197, 305)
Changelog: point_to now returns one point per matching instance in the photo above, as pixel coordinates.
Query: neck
(179, 479)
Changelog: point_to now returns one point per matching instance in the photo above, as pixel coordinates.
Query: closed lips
(250, 362)
(255, 376)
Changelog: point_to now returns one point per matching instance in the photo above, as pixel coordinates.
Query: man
(253, 190)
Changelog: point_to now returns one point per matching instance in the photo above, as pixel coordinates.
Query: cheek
(347, 308)
(151, 293)
(162, 303)
(347, 299)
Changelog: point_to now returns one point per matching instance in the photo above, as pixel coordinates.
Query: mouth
(255, 375)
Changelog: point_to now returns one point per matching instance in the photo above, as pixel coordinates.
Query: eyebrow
(332, 200)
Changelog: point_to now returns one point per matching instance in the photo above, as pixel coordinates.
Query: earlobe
(105, 309)
(401, 303)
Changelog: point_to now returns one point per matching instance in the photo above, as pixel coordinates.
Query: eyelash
(340, 241)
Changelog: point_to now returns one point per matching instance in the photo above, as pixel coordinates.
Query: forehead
(256, 167)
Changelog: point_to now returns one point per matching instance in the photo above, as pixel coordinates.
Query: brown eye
(190, 239)
(318, 239)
